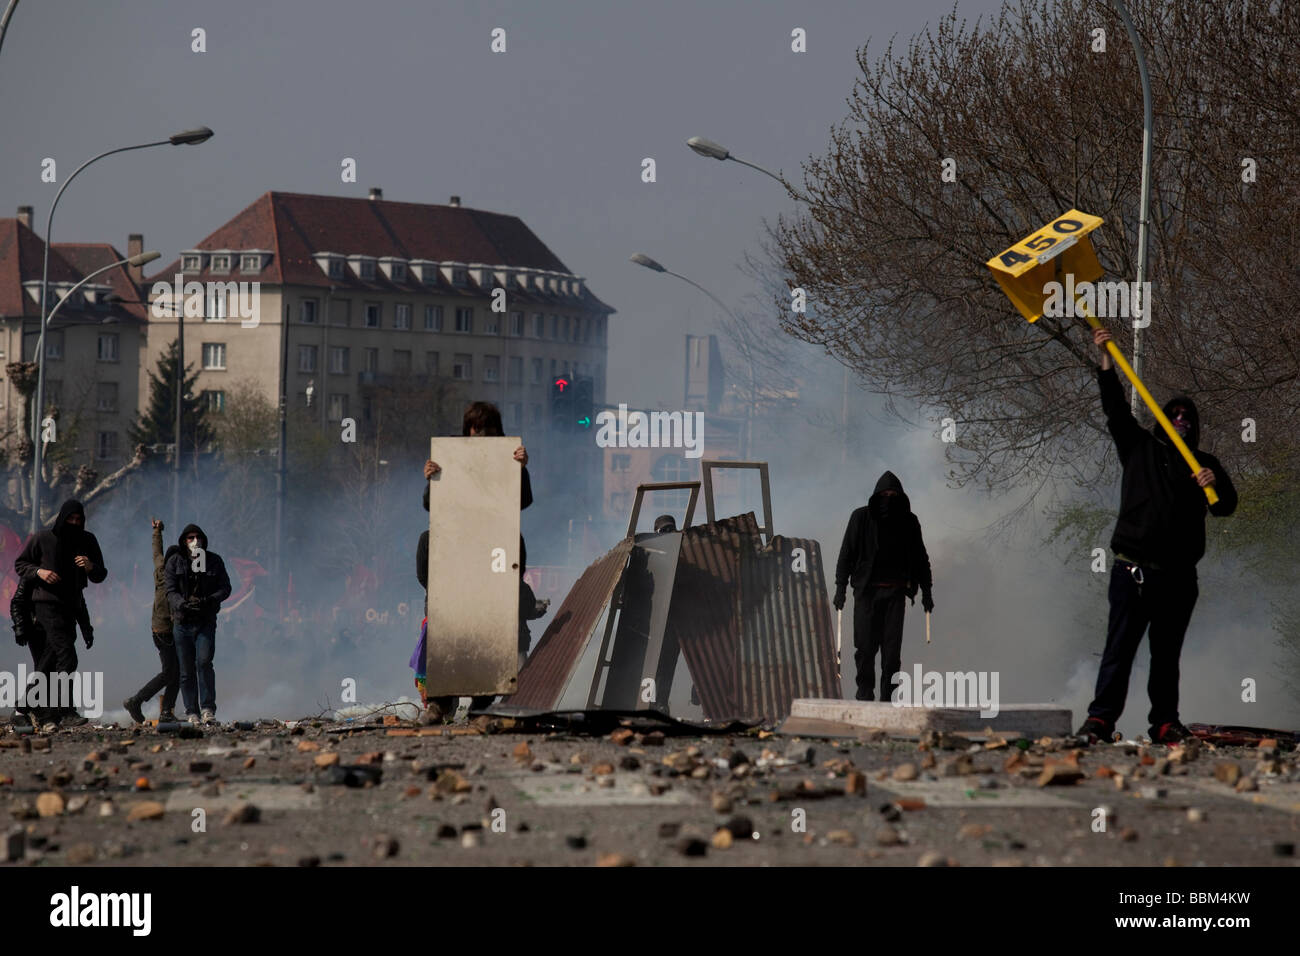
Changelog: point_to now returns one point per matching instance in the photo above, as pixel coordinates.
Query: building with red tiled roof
(92, 346)
(357, 298)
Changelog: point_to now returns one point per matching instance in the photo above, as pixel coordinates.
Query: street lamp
(38, 410)
(711, 150)
(1144, 200)
(191, 136)
(643, 260)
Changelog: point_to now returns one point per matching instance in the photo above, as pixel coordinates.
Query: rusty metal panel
(473, 634)
(704, 618)
(787, 643)
(550, 666)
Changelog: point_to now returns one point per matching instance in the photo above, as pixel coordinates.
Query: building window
(433, 318)
(491, 368)
(214, 355)
(460, 277)
(537, 372)
(672, 468)
(492, 325)
(307, 358)
(517, 324)
(307, 312)
(108, 342)
(106, 445)
(515, 376)
(465, 320)
(53, 344)
(539, 325)
(106, 397)
(372, 315)
(620, 462)
(191, 264)
(336, 269)
(338, 360)
(401, 360)
(431, 363)
(372, 360)
(399, 271)
(514, 418)
(338, 407)
(367, 269)
(215, 304)
(213, 401)
(250, 263)
(221, 263)
(462, 367)
(402, 316)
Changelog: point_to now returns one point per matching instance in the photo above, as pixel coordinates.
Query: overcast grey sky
(554, 131)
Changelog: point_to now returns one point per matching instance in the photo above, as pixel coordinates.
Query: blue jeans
(195, 645)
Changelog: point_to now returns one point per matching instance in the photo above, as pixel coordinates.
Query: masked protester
(197, 583)
(1158, 539)
(57, 563)
(168, 680)
(883, 556)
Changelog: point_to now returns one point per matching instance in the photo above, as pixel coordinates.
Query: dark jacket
(22, 614)
(1161, 507)
(195, 597)
(862, 555)
(162, 611)
(525, 499)
(422, 564)
(56, 549)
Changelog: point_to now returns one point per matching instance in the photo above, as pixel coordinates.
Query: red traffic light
(561, 383)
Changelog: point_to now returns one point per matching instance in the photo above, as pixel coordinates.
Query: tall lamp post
(189, 136)
(711, 150)
(136, 260)
(644, 260)
(1144, 317)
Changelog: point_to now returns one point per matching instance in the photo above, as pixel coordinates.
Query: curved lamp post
(191, 136)
(643, 260)
(38, 411)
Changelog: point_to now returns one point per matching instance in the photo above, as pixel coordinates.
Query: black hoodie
(56, 549)
(194, 596)
(1161, 507)
(883, 543)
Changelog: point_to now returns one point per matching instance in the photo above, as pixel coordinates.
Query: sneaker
(50, 727)
(193, 719)
(1170, 733)
(1096, 730)
(166, 717)
(74, 720)
(208, 718)
(133, 708)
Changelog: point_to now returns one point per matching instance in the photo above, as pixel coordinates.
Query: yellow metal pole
(1118, 358)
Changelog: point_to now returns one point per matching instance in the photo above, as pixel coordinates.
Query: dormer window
(253, 261)
(425, 270)
(394, 268)
(220, 262)
(364, 266)
(331, 263)
(192, 261)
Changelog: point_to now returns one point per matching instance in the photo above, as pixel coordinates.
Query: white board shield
(473, 636)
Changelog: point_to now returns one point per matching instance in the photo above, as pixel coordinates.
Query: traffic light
(562, 394)
(583, 403)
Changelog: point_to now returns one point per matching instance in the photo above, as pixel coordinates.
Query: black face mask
(886, 506)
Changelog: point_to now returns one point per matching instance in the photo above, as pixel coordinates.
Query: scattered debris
(50, 804)
(145, 810)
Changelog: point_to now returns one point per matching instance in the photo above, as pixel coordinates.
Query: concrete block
(1028, 720)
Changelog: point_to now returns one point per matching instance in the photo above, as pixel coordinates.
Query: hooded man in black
(1159, 537)
(884, 557)
(57, 563)
(196, 583)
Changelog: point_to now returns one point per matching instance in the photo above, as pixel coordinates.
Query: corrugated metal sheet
(787, 642)
(545, 676)
(705, 618)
